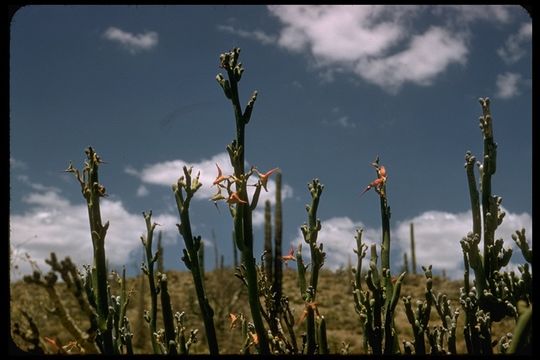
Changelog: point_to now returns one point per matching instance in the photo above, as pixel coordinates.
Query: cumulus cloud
(463, 14)
(428, 55)
(437, 239)
(134, 43)
(17, 164)
(374, 42)
(53, 223)
(337, 235)
(36, 186)
(515, 47)
(508, 85)
(437, 236)
(257, 35)
(378, 43)
(167, 173)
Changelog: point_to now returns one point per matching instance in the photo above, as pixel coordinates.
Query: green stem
(310, 323)
(520, 339)
(92, 190)
(193, 245)
(168, 319)
(150, 260)
(242, 220)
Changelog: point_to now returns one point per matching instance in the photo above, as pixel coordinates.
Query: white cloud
(438, 234)
(257, 35)
(36, 186)
(337, 236)
(17, 164)
(514, 47)
(52, 223)
(134, 43)
(428, 55)
(342, 121)
(508, 85)
(437, 239)
(463, 14)
(374, 42)
(142, 191)
(167, 173)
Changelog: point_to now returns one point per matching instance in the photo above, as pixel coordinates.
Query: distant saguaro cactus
(268, 263)
(413, 250)
(235, 251)
(161, 254)
(278, 239)
(405, 263)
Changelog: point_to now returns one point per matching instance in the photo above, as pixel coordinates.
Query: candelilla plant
(376, 306)
(184, 190)
(240, 206)
(92, 191)
(495, 293)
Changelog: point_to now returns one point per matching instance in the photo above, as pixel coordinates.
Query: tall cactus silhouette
(405, 263)
(268, 263)
(413, 250)
(277, 286)
(235, 250)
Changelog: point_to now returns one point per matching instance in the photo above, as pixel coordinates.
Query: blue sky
(337, 86)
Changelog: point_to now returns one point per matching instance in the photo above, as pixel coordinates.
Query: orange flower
(381, 172)
(255, 338)
(220, 177)
(377, 183)
(264, 177)
(234, 198)
(289, 257)
(312, 305)
(53, 343)
(234, 320)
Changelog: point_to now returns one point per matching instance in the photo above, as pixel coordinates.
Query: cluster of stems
(442, 339)
(495, 293)
(376, 305)
(315, 340)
